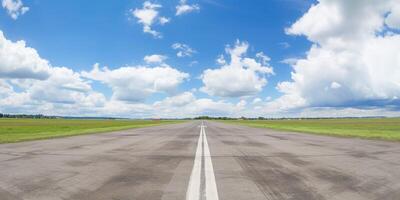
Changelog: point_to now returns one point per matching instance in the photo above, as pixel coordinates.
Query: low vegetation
(15, 130)
(370, 128)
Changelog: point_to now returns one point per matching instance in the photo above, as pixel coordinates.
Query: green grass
(385, 129)
(16, 130)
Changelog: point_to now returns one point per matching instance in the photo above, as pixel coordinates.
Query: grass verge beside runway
(16, 130)
(385, 128)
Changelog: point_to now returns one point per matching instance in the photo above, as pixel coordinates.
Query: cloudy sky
(184, 58)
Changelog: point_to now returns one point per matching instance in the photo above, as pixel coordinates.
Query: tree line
(37, 116)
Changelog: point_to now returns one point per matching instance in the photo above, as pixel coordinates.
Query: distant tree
(38, 116)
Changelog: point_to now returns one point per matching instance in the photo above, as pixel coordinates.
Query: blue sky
(78, 34)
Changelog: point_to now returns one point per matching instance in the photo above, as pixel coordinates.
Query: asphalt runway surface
(200, 161)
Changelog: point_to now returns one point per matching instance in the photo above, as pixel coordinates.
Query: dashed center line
(202, 183)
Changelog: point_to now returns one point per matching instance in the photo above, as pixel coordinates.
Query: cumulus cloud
(148, 15)
(29, 84)
(163, 20)
(176, 101)
(221, 60)
(64, 92)
(5, 88)
(155, 58)
(63, 86)
(242, 76)
(256, 100)
(352, 62)
(19, 61)
(136, 83)
(393, 18)
(183, 50)
(187, 105)
(14, 8)
(184, 8)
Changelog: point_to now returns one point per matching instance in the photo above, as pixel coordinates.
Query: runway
(200, 160)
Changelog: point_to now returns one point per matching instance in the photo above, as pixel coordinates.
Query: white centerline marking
(195, 186)
(211, 186)
(193, 191)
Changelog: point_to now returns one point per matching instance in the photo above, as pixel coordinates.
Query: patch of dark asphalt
(129, 135)
(250, 143)
(291, 158)
(255, 143)
(313, 144)
(362, 154)
(230, 142)
(276, 181)
(382, 145)
(78, 163)
(177, 145)
(76, 147)
(5, 195)
(340, 182)
(368, 187)
(189, 137)
(140, 180)
(35, 184)
(277, 137)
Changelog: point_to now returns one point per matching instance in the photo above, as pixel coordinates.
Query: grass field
(386, 129)
(15, 130)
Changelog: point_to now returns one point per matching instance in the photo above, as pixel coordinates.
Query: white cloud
(155, 58)
(284, 45)
(63, 86)
(183, 50)
(64, 92)
(19, 61)
(263, 58)
(184, 8)
(290, 61)
(136, 83)
(177, 101)
(242, 103)
(351, 69)
(256, 100)
(335, 85)
(69, 93)
(163, 20)
(14, 8)
(393, 18)
(29, 84)
(181, 105)
(187, 105)
(221, 60)
(353, 61)
(148, 15)
(346, 112)
(243, 76)
(195, 62)
(5, 88)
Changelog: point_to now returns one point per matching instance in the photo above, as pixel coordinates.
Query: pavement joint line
(202, 171)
